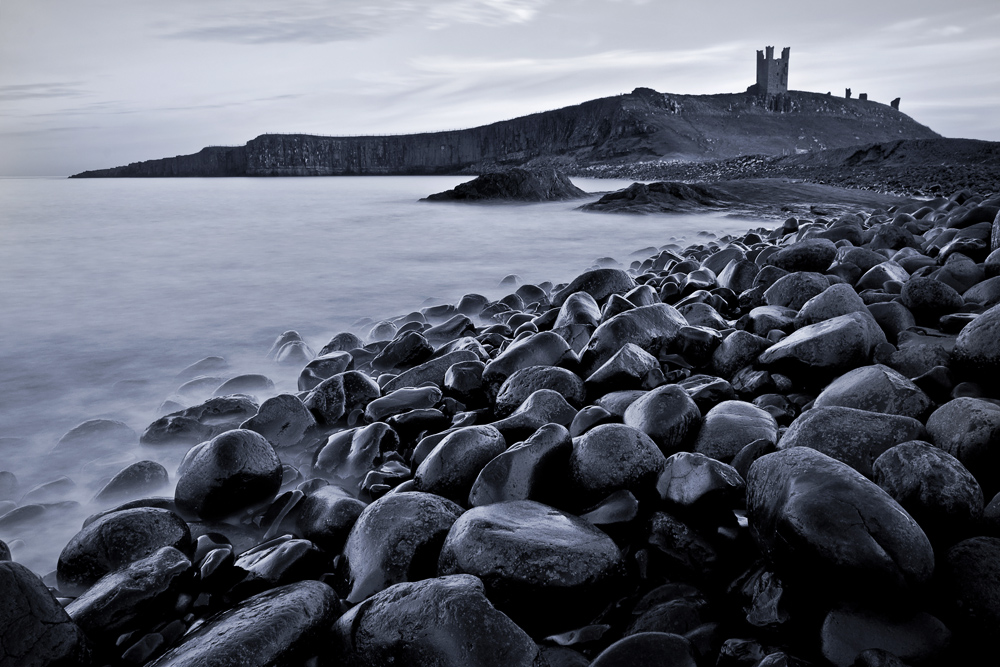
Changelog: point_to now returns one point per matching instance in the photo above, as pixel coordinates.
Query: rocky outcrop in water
(525, 185)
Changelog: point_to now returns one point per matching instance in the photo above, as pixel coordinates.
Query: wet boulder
(971, 582)
(631, 367)
(612, 457)
(875, 277)
(453, 465)
(402, 400)
(530, 470)
(732, 425)
(852, 436)
(795, 289)
(579, 308)
(323, 368)
(648, 649)
(977, 349)
(545, 406)
(103, 434)
(405, 351)
(115, 540)
(131, 597)
(929, 299)
(736, 351)
(806, 255)
(876, 388)
(326, 517)
(598, 283)
(234, 471)
(893, 317)
(666, 414)
(143, 478)
(969, 429)
(916, 638)
(932, 486)
(644, 326)
(283, 420)
(283, 626)
(446, 622)
(200, 422)
(828, 348)
(250, 383)
(432, 371)
(35, 630)
(397, 538)
(541, 566)
(526, 381)
(823, 524)
(834, 301)
(694, 481)
(349, 455)
(540, 349)
(764, 319)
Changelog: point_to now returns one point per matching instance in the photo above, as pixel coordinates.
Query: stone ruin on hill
(772, 79)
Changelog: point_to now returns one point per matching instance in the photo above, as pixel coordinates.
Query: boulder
(432, 371)
(795, 289)
(612, 457)
(451, 468)
(526, 381)
(834, 301)
(283, 420)
(598, 283)
(326, 517)
(969, 429)
(876, 388)
(541, 349)
(916, 638)
(667, 415)
(977, 349)
(143, 478)
(806, 255)
(530, 470)
(828, 348)
(644, 326)
(732, 425)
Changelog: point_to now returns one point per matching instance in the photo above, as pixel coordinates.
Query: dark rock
(611, 457)
(324, 367)
(513, 184)
(545, 406)
(696, 482)
(893, 317)
(102, 434)
(201, 422)
(454, 464)
(643, 326)
(795, 289)
(349, 455)
(879, 275)
(707, 390)
(929, 299)
(660, 197)
(35, 631)
(736, 351)
(970, 580)
(829, 347)
(283, 626)
(126, 599)
(455, 328)
(732, 425)
(464, 381)
(397, 538)
(764, 319)
(969, 430)
(598, 283)
(245, 384)
(738, 275)
(852, 436)
(806, 255)
(114, 541)
(617, 402)
(834, 301)
(667, 415)
(526, 381)
(283, 420)
(541, 566)
(531, 470)
(824, 525)
(327, 516)
(648, 649)
(916, 638)
(578, 308)
(402, 400)
(432, 371)
(446, 622)
(588, 418)
(631, 367)
(977, 349)
(139, 479)
(932, 486)
(342, 342)
(405, 351)
(540, 349)
(277, 562)
(876, 389)
(233, 471)
(863, 258)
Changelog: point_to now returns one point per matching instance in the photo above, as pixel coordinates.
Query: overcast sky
(100, 83)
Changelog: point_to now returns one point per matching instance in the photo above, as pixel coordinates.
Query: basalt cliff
(639, 126)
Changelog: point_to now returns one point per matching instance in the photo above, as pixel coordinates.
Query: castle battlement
(772, 73)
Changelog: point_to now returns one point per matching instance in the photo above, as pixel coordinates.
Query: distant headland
(767, 119)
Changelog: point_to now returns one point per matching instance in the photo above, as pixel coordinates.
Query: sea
(110, 287)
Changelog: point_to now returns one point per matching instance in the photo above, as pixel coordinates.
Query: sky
(102, 83)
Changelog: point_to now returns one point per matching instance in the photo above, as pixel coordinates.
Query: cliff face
(643, 125)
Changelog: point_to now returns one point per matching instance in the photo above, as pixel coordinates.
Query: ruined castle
(772, 79)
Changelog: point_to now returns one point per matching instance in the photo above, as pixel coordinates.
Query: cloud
(29, 91)
(308, 22)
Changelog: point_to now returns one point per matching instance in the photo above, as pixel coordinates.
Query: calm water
(108, 288)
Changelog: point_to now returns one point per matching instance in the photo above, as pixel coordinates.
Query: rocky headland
(768, 450)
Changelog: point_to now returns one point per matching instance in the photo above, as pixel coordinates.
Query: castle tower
(772, 74)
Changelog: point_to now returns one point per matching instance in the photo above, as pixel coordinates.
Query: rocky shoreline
(776, 449)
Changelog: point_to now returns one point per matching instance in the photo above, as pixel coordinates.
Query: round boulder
(876, 388)
(666, 414)
(732, 425)
(612, 457)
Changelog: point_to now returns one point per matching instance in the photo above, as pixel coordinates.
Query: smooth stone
(143, 478)
(667, 415)
(280, 561)
(541, 566)
(863, 258)
(767, 276)
(200, 422)
(932, 486)
(349, 455)
(969, 429)
(970, 578)
(707, 390)
(929, 299)
(805, 255)
(545, 406)
(617, 402)
(736, 351)
(764, 319)
(977, 348)
(106, 434)
(464, 381)
(445, 622)
(395, 539)
(114, 541)
(829, 347)
(323, 368)
(648, 649)
(530, 470)
(131, 597)
(893, 317)
(720, 259)
(206, 366)
(834, 301)
(232, 472)
(457, 327)
(880, 274)
(644, 326)
(402, 400)
(432, 371)
(283, 626)
(738, 275)
(588, 418)
(630, 368)
(526, 381)
(541, 349)
(876, 388)
(294, 353)
(854, 437)
(703, 315)
(795, 289)
(612, 457)
(245, 384)
(283, 420)
(326, 517)
(732, 425)
(824, 525)
(598, 283)
(916, 638)
(695, 481)
(579, 308)
(281, 341)
(342, 342)
(35, 631)
(453, 465)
